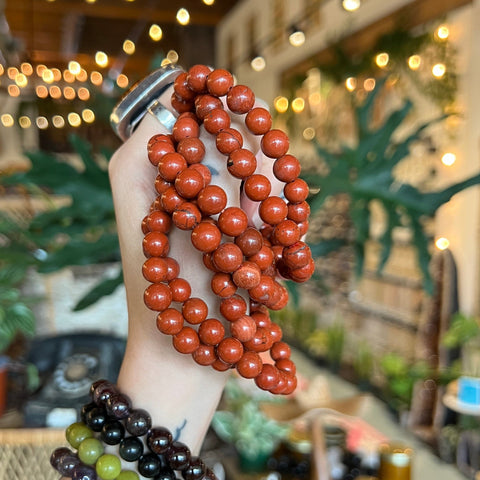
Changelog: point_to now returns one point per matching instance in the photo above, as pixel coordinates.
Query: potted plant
(254, 436)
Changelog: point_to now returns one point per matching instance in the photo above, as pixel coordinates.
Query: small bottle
(395, 462)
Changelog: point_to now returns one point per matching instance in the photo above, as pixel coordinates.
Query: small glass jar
(395, 462)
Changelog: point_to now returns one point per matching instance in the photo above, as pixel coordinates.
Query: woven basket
(25, 453)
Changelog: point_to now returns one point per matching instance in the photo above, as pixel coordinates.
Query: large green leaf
(105, 287)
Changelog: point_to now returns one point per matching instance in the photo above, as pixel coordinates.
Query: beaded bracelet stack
(110, 419)
(239, 256)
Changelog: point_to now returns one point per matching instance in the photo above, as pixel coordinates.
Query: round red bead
(156, 151)
(194, 310)
(230, 350)
(222, 285)
(280, 350)
(173, 268)
(244, 328)
(240, 99)
(171, 165)
(179, 104)
(186, 216)
(155, 270)
(204, 355)
(192, 149)
(268, 377)
(161, 185)
(250, 365)
(258, 121)
(204, 171)
(273, 210)
(261, 341)
(286, 233)
(233, 221)
(155, 244)
(157, 221)
(263, 258)
(181, 88)
(286, 365)
(170, 321)
(204, 104)
(188, 183)
(286, 168)
(220, 365)
(242, 163)
(206, 237)
(275, 143)
(157, 297)
(233, 308)
(211, 331)
(170, 199)
(296, 191)
(298, 212)
(257, 187)
(227, 257)
(216, 120)
(185, 128)
(297, 255)
(228, 140)
(181, 289)
(186, 340)
(197, 78)
(219, 82)
(247, 275)
(212, 200)
(250, 241)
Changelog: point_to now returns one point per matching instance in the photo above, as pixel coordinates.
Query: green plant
(363, 362)
(81, 232)
(365, 172)
(462, 329)
(243, 424)
(335, 341)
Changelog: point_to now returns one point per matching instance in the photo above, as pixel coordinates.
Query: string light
(21, 80)
(298, 105)
(55, 92)
(96, 78)
(129, 47)
(7, 120)
(439, 70)
(74, 67)
(448, 159)
(281, 104)
(12, 72)
(309, 133)
(69, 93)
(40, 69)
(47, 76)
(155, 32)
(296, 37)
(68, 76)
(442, 243)
(82, 76)
(26, 68)
(183, 17)
(74, 119)
(414, 62)
(258, 63)
(24, 122)
(351, 84)
(369, 84)
(42, 123)
(382, 59)
(208, 2)
(442, 33)
(351, 5)
(172, 55)
(88, 116)
(122, 81)
(13, 90)
(83, 93)
(41, 91)
(58, 121)
(101, 59)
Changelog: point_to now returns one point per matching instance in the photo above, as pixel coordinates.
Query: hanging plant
(365, 172)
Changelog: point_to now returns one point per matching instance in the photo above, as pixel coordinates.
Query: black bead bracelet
(110, 419)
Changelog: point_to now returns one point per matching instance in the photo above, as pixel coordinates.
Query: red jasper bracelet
(239, 255)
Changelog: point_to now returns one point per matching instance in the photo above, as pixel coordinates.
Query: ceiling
(52, 32)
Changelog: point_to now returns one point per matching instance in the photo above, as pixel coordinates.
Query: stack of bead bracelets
(110, 419)
(239, 255)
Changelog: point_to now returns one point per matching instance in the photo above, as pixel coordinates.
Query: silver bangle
(142, 98)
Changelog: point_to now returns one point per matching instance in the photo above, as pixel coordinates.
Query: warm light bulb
(297, 38)
(57, 74)
(96, 78)
(13, 90)
(382, 59)
(309, 133)
(208, 2)
(68, 76)
(351, 84)
(69, 93)
(21, 80)
(298, 105)
(58, 121)
(12, 72)
(47, 76)
(442, 243)
(88, 116)
(258, 63)
(83, 93)
(122, 81)
(281, 104)
(351, 5)
(449, 159)
(155, 33)
(82, 75)
(26, 68)
(442, 33)
(369, 84)
(414, 62)
(24, 122)
(55, 92)
(74, 119)
(101, 59)
(172, 55)
(41, 91)
(40, 69)
(2, 70)
(74, 67)
(439, 70)
(129, 47)
(183, 17)
(7, 120)
(42, 123)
